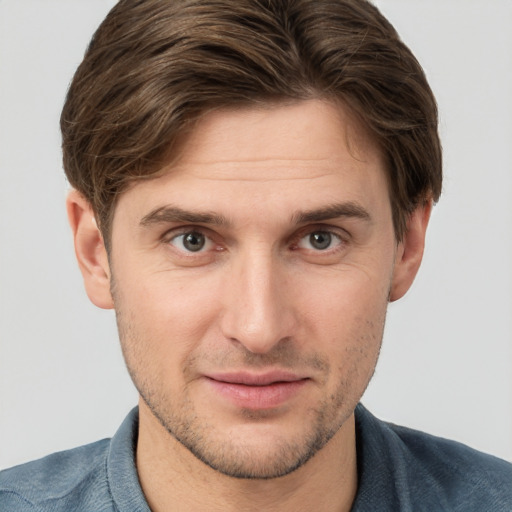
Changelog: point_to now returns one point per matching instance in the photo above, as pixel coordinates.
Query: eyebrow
(333, 211)
(169, 214)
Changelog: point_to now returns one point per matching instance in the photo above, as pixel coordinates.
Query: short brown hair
(154, 67)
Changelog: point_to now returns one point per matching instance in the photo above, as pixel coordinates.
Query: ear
(410, 251)
(90, 250)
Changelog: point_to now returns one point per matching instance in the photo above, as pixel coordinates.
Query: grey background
(446, 365)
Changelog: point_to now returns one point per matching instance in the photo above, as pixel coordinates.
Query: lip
(257, 391)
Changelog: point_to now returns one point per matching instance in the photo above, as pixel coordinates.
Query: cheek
(353, 348)
(170, 302)
(346, 317)
(346, 299)
(161, 320)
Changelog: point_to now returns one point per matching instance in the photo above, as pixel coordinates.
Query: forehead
(312, 152)
(312, 130)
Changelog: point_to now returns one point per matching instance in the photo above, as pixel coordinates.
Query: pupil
(320, 240)
(193, 242)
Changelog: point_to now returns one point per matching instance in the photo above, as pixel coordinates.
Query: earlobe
(90, 250)
(410, 251)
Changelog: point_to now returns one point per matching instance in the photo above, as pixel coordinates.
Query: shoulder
(427, 471)
(458, 472)
(61, 481)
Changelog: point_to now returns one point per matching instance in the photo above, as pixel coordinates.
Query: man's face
(251, 281)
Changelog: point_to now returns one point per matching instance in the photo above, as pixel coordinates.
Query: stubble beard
(238, 460)
(213, 447)
(243, 460)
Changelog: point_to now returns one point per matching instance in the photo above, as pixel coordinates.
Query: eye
(191, 241)
(319, 241)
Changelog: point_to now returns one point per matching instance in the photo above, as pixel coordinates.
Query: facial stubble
(213, 447)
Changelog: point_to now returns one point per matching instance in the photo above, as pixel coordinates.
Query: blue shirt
(399, 469)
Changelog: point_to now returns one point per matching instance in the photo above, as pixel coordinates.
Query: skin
(264, 253)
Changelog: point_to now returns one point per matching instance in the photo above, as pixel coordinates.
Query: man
(252, 185)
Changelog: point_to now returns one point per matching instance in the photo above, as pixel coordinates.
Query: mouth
(257, 391)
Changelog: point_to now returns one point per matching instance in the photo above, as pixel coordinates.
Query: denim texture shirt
(399, 469)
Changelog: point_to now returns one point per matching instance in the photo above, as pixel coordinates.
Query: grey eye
(320, 240)
(193, 241)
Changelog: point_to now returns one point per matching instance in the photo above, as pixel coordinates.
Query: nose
(258, 311)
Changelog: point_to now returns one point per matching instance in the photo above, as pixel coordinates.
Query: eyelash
(332, 238)
(341, 236)
(174, 235)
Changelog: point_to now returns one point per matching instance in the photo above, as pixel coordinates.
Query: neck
(174, 479)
